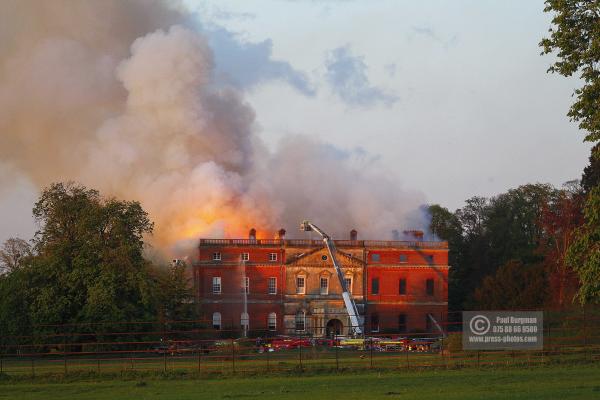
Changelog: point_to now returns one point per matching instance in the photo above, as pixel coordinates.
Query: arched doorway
(334, 327)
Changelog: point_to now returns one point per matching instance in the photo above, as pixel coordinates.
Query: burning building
(289, 286)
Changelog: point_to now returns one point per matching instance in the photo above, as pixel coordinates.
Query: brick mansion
(289, 286)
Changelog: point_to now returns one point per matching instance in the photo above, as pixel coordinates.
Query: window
(429, 287)
(375, 257)
(348, 282)
(272, 256)
(324, 257)
(216, 285)
(429, 259)
(403, 258)
(216, 320)
(402, 323)
(402, 286)
(324, 285)
(245, 321)
(375, 286)
(272, 321)
(216, 256)
(300, 321)
(245, 256)
(272, 285)
(428, 325)
(374, 322)
(247, 285)
(300, 288)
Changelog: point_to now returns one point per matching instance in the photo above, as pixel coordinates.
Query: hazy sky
(453, 96)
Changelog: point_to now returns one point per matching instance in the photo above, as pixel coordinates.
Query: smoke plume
(121, 96)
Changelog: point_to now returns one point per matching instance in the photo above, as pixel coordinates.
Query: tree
(514, 286)
(584, 253)
(512, 224)
(591, 173)
(558, 222)
(575, 37)
(13, 253)
(176, 296)
(88, 264)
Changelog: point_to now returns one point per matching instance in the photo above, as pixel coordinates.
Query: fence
(193, 346)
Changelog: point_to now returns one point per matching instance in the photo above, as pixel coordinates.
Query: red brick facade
(293, 288)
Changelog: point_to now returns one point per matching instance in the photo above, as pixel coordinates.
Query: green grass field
(542, 382)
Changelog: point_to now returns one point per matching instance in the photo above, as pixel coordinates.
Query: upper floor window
(245, 256)
(300, 285)
(216, 320)
(324, 285)
(247, 285)
(216, 256)
(272, 285)
(375, 257)
(402, 286)
(429, 287)
(272, 321)
(429, 258)
(375, 286)
(272, 256)
(216, 284)
(403, 258)
(348, 282)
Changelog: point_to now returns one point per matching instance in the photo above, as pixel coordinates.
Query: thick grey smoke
(121, 97)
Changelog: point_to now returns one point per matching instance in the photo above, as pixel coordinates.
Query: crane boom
(351, 308)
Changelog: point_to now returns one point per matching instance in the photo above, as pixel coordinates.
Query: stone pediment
(320, 257)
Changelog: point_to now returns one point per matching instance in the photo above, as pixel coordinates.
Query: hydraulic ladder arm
(355, 319)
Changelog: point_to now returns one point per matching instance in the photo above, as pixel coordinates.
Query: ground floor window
(245, 321)
(402, 323)
(300, 321)
(272, 321)
(374, 322)
(428, 323)
(216, 320)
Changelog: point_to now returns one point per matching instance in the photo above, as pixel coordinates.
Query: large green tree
(575, 40)
(88, 264)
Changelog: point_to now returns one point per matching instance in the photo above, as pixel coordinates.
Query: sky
(451, 98)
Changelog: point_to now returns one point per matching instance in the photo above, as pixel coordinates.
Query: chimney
(353, 234)
(281, 234)
(252, 234)
(415, 234)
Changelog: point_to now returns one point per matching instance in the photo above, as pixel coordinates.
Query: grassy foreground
(564, 382)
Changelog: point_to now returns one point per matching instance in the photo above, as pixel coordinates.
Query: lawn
(542, 382)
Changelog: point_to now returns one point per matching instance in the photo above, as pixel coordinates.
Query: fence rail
(193, 346)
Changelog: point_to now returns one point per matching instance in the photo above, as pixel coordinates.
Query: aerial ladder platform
(356, 321)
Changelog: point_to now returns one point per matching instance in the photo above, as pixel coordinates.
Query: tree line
(86, 264)
(533, 246)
